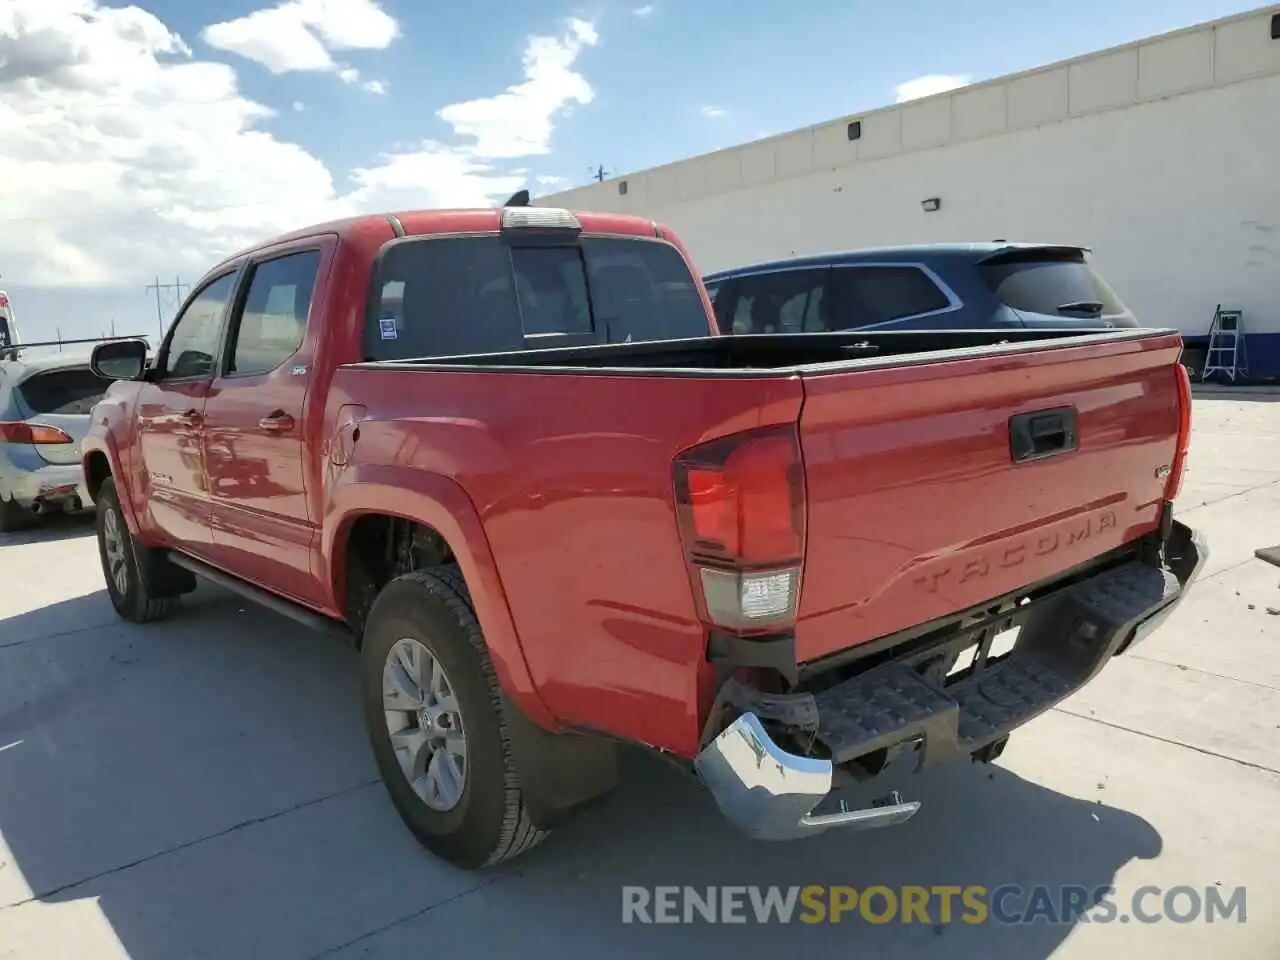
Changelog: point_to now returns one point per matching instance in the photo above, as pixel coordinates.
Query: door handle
(1045, 433)
(277, 422)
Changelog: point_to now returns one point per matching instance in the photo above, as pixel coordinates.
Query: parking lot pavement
(202, 788)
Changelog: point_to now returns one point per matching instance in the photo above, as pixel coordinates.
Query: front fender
(440, 503)
(105, 444)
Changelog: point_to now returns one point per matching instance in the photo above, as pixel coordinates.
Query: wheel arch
(440, 505)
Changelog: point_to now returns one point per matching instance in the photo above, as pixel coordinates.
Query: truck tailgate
(917, 508)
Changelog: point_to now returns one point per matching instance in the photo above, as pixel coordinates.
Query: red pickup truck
(507, 452)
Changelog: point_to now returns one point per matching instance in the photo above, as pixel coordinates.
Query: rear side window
(464, 295)
(865, 296)
(1054, 287)
(62, 391)
(274, 317)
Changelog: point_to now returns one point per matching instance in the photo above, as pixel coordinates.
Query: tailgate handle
(1045, 433)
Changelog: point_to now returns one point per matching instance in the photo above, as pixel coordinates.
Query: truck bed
(915, 506)
(775, 352)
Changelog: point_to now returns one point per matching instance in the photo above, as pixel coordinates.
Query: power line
(177, 288)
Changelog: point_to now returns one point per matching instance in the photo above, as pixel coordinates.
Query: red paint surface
(555, 492)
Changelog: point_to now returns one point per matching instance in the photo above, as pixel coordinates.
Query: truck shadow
(207, 783)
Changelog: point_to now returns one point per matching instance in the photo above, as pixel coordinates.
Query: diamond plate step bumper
(1063, 641)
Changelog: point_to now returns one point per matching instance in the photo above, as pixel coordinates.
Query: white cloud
(432, 176)
(551, 181)
(375, 86)
(644, 12)
(300, 35)
(519, 121)
(123, 154)
(348, 74)
(927, 86)
(713, 112)
(299, 106)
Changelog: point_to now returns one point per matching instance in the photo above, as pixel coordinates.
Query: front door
(253, 430)
(170, 421)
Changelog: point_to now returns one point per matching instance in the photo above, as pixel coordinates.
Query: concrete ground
(202, 788)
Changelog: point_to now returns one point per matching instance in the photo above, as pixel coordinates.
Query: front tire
(131, 590)
(434, 714)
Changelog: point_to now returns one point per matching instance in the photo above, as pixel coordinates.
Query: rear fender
(440, 503)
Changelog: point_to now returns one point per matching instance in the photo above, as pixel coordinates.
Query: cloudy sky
(150, 139)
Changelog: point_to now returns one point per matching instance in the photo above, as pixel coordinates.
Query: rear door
(917, 508)
(61, 398)
(254, 439)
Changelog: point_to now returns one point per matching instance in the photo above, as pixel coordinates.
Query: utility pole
(598, 173)
(176, 287)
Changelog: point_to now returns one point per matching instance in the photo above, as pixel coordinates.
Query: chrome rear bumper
(1186, 554)
(770, 794)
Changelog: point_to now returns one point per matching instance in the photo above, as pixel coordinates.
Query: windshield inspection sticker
(387, 326)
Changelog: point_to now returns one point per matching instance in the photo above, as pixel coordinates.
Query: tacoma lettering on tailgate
(1039, 543)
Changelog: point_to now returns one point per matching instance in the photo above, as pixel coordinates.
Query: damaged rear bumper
(1064, 640)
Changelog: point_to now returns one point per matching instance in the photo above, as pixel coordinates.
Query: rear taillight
(11, 432)
(1174, 484)
(740, 502)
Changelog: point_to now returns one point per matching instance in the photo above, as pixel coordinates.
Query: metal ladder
(1226, 354)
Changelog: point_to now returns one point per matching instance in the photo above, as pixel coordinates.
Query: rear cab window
(58, 392)
(450, 296)
(1054, 285)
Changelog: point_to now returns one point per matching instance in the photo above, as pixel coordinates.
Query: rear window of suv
(1054, 286)
(466, 295)
(62, 391)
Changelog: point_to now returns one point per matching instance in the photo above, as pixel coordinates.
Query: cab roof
(462, 220)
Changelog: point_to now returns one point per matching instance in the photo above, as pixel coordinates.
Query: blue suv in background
(963, 286)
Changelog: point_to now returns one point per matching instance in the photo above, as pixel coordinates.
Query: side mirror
(119, 359)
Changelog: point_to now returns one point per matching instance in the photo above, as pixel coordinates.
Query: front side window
(193, 343)
(274, 318)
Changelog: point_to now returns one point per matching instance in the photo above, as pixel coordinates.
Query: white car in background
(44, 414)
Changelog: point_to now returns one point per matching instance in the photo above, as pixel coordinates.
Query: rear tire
(422, 626)
(129, 568)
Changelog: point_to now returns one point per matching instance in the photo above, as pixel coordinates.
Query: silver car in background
(44, 414)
